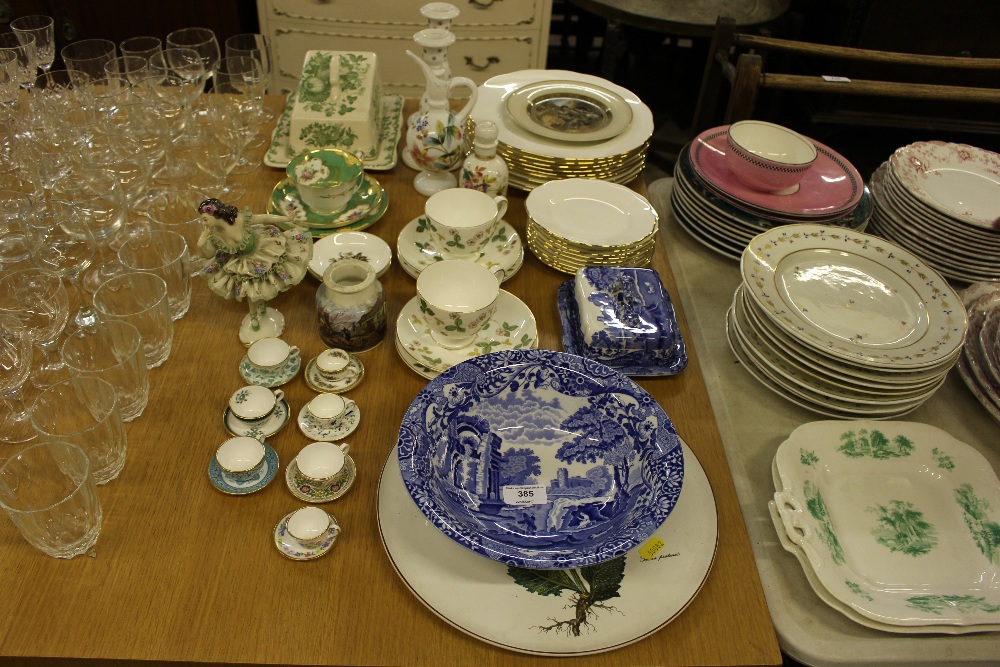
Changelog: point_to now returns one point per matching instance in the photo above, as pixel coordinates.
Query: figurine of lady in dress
(248, 258)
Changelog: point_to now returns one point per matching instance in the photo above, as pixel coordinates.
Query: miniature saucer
(338, 430)
(263, 428)
(416, 251)
(310, 494)
(349, 378)
(512, 327)
(637, 362)
(350, 245)
(225, 483)
(270, 378)
(286, 200)
(290, 547)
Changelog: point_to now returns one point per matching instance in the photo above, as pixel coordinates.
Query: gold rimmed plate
(569, 111)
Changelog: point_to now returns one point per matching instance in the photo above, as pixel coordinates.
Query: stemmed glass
(15, 365)
(38, 299)
(86, 58)
(201, 40)
(171, 96)
(256, 46)
(183, 62)
(42, 30)
(143, 46)
(9, 84)
(22, 46)
(239, 95)
(60, 240)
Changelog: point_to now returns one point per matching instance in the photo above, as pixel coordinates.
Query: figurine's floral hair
(216, 208)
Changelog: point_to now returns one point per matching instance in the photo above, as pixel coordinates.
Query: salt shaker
(484, 170)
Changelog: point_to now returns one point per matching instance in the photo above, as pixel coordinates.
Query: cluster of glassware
(97, 222)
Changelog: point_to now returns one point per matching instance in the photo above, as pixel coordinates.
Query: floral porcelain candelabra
(250, 259)
(434, 47)
(435, 142)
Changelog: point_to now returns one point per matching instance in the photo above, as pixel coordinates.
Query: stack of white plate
(942, 201)
(979, 365)
(891, 522)
(722, 213)
(559, 124)
(843, 323)
(578, 222)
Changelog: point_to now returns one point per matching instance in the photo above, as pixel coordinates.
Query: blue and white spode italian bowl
(540, 459)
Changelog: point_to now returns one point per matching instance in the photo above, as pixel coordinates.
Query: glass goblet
(202, 40)
(238, 90)
(23, 47)
(256, 46)
(38, 298)
(15, 366)
(42, 30)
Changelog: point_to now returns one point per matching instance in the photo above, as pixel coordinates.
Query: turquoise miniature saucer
(270, 378)
(226, 484)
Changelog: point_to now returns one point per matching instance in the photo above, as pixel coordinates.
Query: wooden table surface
(184, 573)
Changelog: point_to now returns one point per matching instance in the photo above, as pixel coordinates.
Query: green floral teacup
(326, 178)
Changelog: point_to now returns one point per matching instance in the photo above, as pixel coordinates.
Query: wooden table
(184, 573)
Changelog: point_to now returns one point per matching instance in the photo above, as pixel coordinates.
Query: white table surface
(753, 421)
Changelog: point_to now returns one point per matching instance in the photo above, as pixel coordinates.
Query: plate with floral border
(291, 548)
(898, 519)
(383, 158)
(226, 484)
(535, 612)
(637, 362)
(416, 248)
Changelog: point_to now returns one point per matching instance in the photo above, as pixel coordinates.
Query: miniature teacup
(326, 178)
(310, 526)
(457, 298)
(322, 464)
(268, 354)
(333, 361)
(328, 408)
(241, 458)
(463, 220)
(254, 402)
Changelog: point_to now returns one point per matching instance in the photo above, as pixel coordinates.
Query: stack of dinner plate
(577, 222)
(942, 202)
(557, 124)
(722, 213)
(979, 365)
(843, 323)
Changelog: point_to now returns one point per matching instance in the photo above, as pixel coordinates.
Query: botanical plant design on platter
(590, 588)
(874, 445)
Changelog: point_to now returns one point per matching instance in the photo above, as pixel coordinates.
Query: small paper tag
(838, 79)
(525, 494)
(649, 550)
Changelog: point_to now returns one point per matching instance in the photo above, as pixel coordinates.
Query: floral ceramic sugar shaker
(350, 306)
(484, 170)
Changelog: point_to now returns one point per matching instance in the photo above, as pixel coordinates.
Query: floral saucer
(636, 362)
(348, 378)
(416, 251)
(413, 364)
(338, 430)
(270, 378)
(263, 428)
(512, 327)
(291, 548)
(285, 200)
(311, 494)
(226, 484)
(350, 245)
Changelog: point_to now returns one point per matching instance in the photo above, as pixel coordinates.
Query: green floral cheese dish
(899, 521)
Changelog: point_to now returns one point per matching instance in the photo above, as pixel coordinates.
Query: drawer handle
(482, 5)
(492, 60)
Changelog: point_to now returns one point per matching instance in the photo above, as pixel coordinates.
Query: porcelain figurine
(484, 170)
(250, 258)
(435, 142)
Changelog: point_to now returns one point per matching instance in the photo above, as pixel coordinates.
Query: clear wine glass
(14, 207)
(86, 58)
(203, 41)
(170, 97)
(143, 46)
(256, 46)
(15, 366)
(60, 240)
(38, 298)
(180, 61)
(240, 95)
(42, 29)
(218, 146)
(23, 47)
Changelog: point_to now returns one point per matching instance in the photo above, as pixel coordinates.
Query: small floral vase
(350, 306)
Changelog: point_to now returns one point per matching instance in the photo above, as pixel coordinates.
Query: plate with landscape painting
(899, 520)
(540, 459)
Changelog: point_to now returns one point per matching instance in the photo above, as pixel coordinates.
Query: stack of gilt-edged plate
(941, 201)
(557, 124)
(721, 212)
(844, 323)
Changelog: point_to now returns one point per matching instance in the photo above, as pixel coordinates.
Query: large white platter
(899, 520)
(855, 296)
(958, 180)
(492, 105)
(533, 611)
(593, 213)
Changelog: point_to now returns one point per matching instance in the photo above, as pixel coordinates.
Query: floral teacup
(326, 178)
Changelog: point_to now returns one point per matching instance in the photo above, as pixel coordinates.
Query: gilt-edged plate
(540, 459)
(899, 520)
(569, 110)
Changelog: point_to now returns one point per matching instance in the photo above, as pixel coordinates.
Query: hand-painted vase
(350, 306)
